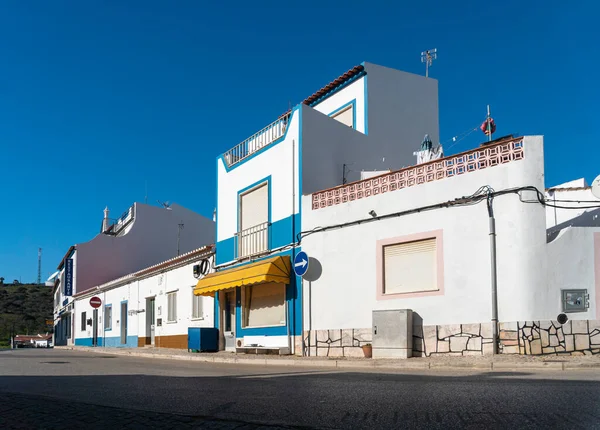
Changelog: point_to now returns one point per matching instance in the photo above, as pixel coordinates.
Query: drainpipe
(292, 344)
(492, 223)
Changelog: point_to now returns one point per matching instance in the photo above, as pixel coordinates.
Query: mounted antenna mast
(427, 57)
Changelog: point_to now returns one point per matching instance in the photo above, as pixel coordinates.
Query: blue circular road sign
(301, 263)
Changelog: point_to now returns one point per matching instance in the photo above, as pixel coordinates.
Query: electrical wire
(485, 192)
(575, 201)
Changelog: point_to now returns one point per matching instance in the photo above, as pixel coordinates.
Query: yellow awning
(274, 269)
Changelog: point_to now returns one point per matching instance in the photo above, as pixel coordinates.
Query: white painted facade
(146, 235)
(151, 238)
(574, 263)
(573, 235)
(346, 293)
(327, 132)
(574, 194)
(136, 290)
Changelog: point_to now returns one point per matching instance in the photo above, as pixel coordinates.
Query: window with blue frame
(108, 317)
(253, 234)
(263, 305)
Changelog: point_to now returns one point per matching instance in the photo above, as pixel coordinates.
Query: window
(254, 221)
(410, 267)
(69, 320)
(83, 321)
(172, 307)
(108, 317)
(264, 305)
(345, 116)
(197, 311)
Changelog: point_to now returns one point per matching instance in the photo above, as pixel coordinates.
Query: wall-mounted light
(373, 213)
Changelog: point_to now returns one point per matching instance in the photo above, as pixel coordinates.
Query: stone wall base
(576, 337)
(337, 342)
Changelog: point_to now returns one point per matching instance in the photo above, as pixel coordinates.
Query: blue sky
(98, 97)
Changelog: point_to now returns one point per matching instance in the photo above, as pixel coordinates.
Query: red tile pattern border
(477, 159)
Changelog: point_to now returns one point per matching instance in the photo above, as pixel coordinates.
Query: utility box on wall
(392, 334)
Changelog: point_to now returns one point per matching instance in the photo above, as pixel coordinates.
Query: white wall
(572, 199)
(135, 293)
(152, 239)
(182, 281)
(572, 262)
(279, 161)
(353, 91)
(345, 295)
(402, 108)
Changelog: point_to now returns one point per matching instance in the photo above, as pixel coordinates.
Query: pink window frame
(435, 234)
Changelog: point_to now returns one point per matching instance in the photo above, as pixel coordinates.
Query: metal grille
(257, 141)
(253, 240)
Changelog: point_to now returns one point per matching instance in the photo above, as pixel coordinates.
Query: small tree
(1, 281)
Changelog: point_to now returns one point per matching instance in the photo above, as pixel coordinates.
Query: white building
(152, 307)
(144, 235)
(419, 239)
(573, 236)
(371, 117)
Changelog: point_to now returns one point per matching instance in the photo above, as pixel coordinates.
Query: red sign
(95, 302)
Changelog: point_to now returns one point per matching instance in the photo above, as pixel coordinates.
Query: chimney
(105, 222)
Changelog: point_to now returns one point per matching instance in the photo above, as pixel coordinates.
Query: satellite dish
(596, 187)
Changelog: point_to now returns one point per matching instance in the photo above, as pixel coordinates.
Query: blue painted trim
(281, 233)
(88, 341)
(111, 317)
(225, 251)
(293, 294)
(366, 104)
(217, 207)
(245, 190)
(115, 342)
(261, 150)
(350, 103)
(300, 181)
(339, 88)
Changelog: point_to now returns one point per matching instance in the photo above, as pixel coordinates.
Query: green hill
(24, 309)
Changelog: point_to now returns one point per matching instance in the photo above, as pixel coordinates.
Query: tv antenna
(165, 205)
(427, 57)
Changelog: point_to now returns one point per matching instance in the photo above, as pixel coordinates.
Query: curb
(347, 364)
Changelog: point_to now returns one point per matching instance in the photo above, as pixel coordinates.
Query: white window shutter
(345, 116)
(254, 207)
(410, 267)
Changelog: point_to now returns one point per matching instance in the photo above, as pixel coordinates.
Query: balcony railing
(253, 241)
(257, 141)
(115, 226)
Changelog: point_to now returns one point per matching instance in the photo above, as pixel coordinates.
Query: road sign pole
(309, 315)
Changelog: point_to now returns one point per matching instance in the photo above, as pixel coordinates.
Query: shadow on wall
(315, 270)
(586, 219)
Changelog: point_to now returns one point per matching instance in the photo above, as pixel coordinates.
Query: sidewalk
(498, 362)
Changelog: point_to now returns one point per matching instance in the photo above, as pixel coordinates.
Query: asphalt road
(68, 389)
